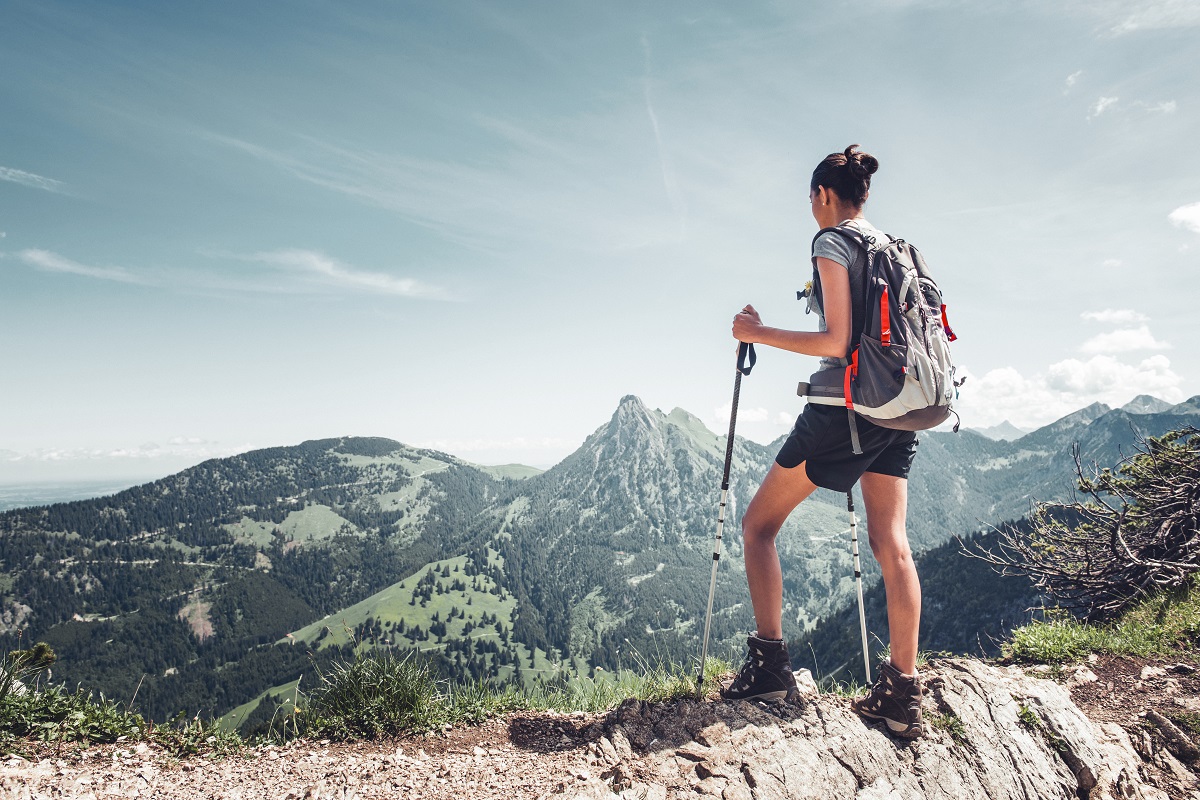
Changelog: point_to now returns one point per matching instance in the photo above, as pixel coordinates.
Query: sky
(477, 226)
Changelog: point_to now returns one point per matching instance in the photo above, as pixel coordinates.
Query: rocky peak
(1146, 404)
(632, 416)
(1189, 406)
(1071, 423)
(1005, 431)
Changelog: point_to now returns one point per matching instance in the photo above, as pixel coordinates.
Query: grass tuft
(52, 714)
(951, 723)
(189, 737)
(1031, 720)
(1159, 626)
(652, 682)
(372, 696)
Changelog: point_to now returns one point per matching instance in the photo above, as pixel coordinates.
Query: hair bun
(847, 174)
(860, 164)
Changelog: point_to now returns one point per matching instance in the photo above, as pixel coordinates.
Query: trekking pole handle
(746, 351)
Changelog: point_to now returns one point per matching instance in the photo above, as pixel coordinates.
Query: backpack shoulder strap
(848, 231)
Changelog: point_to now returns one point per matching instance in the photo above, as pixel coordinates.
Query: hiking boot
(896, 699)
(766, 674)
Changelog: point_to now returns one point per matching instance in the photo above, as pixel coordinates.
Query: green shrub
(29, 710)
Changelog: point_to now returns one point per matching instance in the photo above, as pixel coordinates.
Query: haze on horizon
(475, 228)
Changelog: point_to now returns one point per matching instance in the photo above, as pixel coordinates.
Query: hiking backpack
(899, 373)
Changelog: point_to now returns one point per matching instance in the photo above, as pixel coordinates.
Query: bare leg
(886, 499)
(781, 491)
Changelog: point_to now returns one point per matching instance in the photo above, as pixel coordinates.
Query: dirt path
(521, 756)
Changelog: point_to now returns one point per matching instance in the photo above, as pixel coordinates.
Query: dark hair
(847, 173)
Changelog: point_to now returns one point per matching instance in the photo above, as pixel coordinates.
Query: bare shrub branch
(1134, 532)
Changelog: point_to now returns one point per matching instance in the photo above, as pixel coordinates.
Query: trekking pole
(745, 351)
(862, 614)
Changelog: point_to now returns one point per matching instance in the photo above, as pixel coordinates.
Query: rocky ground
(991, 733)
(1156, 702)
(520, 756)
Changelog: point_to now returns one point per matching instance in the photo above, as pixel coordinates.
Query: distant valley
(23, 495)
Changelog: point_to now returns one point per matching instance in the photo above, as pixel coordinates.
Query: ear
(823, 195)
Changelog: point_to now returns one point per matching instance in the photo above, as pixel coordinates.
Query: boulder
(990, 732)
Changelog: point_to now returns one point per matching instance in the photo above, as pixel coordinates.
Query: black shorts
(821, 439)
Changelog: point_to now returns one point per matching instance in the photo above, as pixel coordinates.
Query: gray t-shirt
(840, 249)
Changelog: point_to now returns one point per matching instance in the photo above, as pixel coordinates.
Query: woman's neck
(832, 215)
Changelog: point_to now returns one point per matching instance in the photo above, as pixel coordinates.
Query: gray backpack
(899, 373)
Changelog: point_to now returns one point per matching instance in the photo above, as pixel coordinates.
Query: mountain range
(216, 589)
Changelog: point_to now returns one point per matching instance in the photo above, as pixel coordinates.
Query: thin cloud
(1124, 340)
(177, 447)
(1102, 105)
(47, 261)
(1115, 316)
(1073, 78)
(316, 268)
(331, 271)
(527, 193)
(1151, 15)
(1115, 18)
(1187, 217)
(1167, 107)
(32, 180)
(668, 174)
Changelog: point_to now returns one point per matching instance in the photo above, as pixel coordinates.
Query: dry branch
(1134, 533)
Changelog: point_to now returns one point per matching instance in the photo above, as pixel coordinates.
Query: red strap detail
(851, 371)
(946, 324)
(885, 323)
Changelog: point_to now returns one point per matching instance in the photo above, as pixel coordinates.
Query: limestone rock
(1080, 676)
(805, 682)
(991, 732)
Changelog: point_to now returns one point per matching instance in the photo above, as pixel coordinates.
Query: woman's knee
(757, 530)
(889, 546)
(781, 491)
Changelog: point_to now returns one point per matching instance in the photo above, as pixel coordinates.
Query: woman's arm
(833, 342)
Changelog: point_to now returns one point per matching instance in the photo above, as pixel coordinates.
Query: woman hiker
(819, 453)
